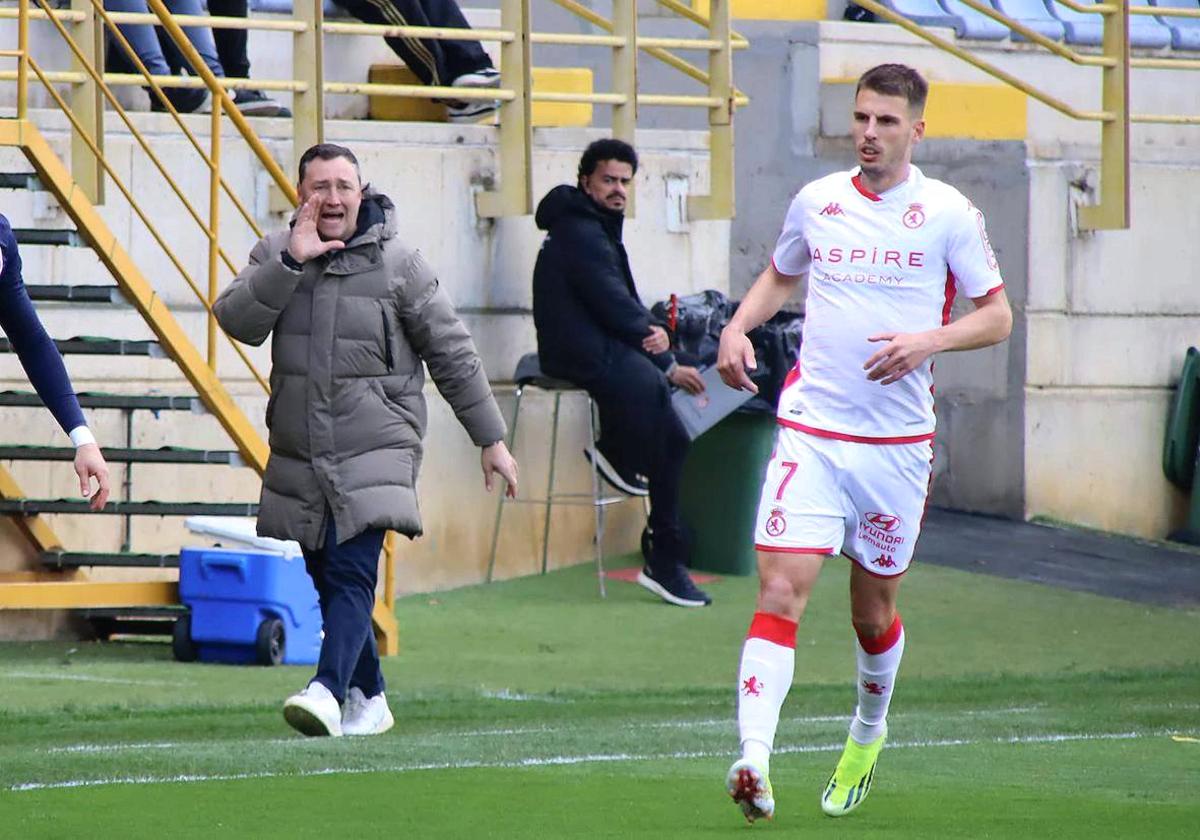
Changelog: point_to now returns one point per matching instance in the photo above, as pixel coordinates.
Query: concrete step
(75, 294)
(125, 402)
(163, 455)
(123, 560)
(100, 346)
(29, 507)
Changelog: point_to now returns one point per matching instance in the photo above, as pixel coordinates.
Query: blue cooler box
(247, 606)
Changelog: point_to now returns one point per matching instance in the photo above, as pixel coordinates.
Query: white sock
(765, 675)
(878, 662)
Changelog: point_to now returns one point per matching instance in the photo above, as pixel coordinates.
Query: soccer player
(885, 250)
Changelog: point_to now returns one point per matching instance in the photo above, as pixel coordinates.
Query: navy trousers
(345, 576)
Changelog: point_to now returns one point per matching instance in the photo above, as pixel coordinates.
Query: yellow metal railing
(515, 94)
(83, 29)
(1111, 212)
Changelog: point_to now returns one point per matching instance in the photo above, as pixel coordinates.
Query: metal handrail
(140, 138)
(987, 67)
(671, 60)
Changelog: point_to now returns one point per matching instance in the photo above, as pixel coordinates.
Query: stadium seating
(1088, 29)
(1185, 32)
(975, 24)
(1034, 14)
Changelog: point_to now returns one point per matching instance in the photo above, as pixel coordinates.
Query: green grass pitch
(533, 709)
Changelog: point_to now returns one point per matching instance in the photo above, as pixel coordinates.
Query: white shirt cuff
(81, 436)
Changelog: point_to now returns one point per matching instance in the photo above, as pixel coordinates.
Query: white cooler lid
(241, 530)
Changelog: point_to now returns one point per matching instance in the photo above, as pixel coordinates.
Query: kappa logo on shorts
(884, 561)
(776, 523)
(752, 687)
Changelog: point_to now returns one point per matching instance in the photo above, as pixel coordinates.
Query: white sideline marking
(721, 723)
(32, 675)
(560, 760)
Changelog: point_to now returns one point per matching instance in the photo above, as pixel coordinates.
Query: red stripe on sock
(882, 644)
(773, 628)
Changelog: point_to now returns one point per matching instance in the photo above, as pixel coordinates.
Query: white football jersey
(889, 263)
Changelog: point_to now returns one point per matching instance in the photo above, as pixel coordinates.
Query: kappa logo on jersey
(832, 209)
(914, 216)
(884, 521)
(874, 687)
(884, 562)
(776, 523)
(752, 687)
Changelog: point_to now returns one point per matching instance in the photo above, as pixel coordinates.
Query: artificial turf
(531, 708)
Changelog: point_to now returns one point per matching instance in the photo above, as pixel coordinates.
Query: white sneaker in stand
(366, 715)
(314, 711)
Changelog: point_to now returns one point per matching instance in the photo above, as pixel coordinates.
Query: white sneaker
(366, 715)
(314, 711)
(485, 77)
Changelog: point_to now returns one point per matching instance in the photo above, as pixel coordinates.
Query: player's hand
(903, 353)
(656, 341)
(735, 356)
(305, 243)
(688, 378)
(497, 459)
(89, 464)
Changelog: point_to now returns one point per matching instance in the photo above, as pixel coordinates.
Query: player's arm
(789, 262)
(902, 353)
(735, 356)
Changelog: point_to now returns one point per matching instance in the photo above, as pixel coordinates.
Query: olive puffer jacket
(347, 413)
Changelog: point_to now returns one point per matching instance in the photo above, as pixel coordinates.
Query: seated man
(593, 330)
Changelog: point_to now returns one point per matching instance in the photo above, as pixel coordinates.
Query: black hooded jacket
(585, 304)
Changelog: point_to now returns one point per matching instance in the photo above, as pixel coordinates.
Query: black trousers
(344, 576)
(231, 43)
(435, 62)
(640, 432)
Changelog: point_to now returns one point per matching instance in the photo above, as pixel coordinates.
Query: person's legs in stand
(232, 46)
(435, 62)
(145, 43)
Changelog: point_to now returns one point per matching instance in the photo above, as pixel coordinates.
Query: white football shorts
(825, 496)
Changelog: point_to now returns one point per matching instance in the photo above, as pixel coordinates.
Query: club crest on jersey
(832, 209)
(776, 523)
(914, 216)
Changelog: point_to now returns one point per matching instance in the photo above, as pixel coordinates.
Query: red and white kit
(889, 263)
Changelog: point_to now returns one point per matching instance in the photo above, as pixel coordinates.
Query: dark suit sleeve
(596, 278)
(34, 347)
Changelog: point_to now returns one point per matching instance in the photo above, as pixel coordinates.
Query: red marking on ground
(630, 576)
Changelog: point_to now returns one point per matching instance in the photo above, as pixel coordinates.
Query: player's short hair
(607, 149)
(896, 80)
(327, 151)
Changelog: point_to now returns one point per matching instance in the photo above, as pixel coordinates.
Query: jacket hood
(376, 218)
(565, 201)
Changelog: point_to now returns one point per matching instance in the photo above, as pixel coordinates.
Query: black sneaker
(255, 103)
(674, 587)
(185, 100)
(634, 485)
